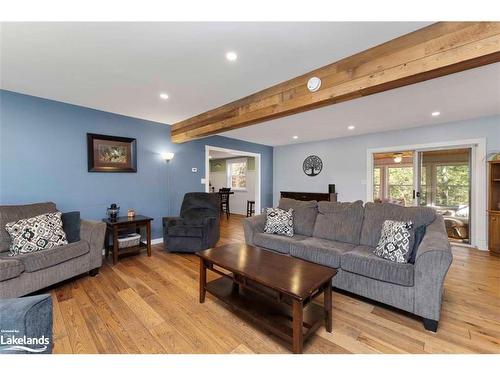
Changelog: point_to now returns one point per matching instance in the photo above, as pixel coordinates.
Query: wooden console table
(125, 224)
(306, 196)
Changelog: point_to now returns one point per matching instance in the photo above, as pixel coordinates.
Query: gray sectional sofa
(344, 235)
(27, 273)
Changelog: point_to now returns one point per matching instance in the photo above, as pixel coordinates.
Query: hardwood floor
(150, 305)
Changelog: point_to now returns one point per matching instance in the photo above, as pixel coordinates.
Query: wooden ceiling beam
(434, 51)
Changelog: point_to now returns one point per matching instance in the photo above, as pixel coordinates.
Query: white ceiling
(469, 94)
(122, 67)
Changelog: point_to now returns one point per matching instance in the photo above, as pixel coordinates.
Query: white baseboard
(156, 241)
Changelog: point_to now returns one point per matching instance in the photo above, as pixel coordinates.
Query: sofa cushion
(9, 214)
(339, 221)
(37, 233)
(185, 231)
(377, 213)
(304, 214)
(71, 225)
(275, 242)
(10, 268)
(396, 241)
(47, 258)
(321, 251)
(362, 261)
(279, 221)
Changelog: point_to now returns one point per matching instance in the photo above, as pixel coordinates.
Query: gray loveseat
(26, 273)
(344, 235)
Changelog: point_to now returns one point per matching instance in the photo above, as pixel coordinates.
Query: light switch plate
(194, 170)
(203, 181)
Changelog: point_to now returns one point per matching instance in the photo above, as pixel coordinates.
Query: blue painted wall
(43, 157)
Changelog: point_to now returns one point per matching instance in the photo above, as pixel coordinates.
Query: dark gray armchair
(198, 226)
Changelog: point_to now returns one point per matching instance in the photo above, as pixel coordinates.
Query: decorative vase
(130, 213)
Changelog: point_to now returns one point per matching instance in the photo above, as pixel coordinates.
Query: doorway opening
(239, 171)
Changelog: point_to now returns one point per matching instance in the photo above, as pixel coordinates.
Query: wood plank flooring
(150, 305)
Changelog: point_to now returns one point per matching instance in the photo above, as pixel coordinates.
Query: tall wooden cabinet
(494, 207)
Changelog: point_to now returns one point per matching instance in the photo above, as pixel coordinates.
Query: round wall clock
(312, 165)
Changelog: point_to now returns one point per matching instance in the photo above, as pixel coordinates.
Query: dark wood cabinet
(305, 196)
(494, 207)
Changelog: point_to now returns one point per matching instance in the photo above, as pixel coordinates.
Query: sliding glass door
(444, 182)
(436, 178)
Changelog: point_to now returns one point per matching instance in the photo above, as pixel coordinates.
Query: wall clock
(312, 166)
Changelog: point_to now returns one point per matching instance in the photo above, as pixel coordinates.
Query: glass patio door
(444, 182)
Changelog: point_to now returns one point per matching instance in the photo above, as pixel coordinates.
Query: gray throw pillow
(279, 221)
(36, 233)
(71, 225)
(396, 241)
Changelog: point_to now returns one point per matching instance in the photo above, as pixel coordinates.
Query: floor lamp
(167, 156)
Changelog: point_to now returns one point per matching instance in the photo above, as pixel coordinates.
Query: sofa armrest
(432, 262)
(30, 317)
(93, 232)
(252, 225)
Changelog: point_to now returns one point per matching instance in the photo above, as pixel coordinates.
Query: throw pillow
(36, 233)
(396, 241)
(71, 225)
(279, 221)
(419, 236)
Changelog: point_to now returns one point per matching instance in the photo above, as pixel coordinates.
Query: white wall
(344, 159)
(237, 201)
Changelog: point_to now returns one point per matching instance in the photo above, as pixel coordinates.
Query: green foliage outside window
(452, 185)
(400, 183)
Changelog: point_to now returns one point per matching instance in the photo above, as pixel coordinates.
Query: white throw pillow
(396, 240)
(279, 221)
(36, 233)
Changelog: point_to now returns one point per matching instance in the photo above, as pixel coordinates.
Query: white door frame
(478, 180)
(237, 153)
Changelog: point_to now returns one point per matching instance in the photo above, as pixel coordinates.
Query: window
(376, 183)
(237, 174)
(400, 183)
(452, 185)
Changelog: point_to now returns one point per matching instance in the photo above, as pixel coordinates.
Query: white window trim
(228, 172)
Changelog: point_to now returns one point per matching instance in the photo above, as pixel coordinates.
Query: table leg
(115, 244)
(148, 237)
(328, 306)
(203, 280)
(298, 336)
(106, 247)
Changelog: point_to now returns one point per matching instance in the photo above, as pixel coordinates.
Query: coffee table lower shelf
(275, 316)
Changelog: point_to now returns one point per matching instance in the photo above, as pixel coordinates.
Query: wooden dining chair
(224, 201)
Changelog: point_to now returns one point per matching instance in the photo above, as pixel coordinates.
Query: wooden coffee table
(271, 289)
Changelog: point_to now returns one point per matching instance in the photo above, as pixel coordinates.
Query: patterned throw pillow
(36, 233)
(279, 221)
(395, 242)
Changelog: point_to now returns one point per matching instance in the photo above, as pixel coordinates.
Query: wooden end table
(125, 224)
(271, 289)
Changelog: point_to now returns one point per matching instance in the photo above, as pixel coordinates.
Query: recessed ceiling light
(295, 137)
(435, 113)
(351, 127)
(164, 96)
(231, 56)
